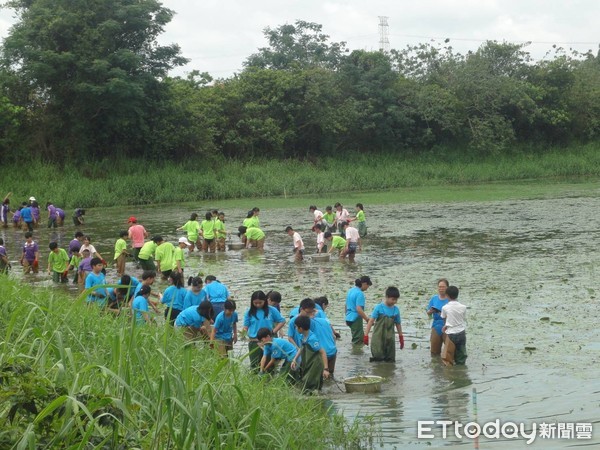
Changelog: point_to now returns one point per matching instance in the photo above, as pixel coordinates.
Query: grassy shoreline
(74, 377)
(132, 182)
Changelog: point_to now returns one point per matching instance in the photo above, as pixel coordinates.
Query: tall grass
(135, 182)
(73, 377)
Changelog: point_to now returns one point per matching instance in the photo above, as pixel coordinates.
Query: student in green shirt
(146, 255)
(58, 263)
(254, 237)
(207, 231)
(192, 228)
(220, 232)
(329, 218)
(164, 256)
(337, 243)
(361, 223)
(178, 255)
(121, 253)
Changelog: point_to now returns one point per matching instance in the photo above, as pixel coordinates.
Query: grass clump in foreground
(138, 182)
(73, 377)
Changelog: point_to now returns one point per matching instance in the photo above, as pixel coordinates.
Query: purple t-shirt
(74, 247)
(51, 212)
(36, 213)
(84, 265)
(60, 213)
(4, 212)
(17, 216)
(30, 250)
(2, 251)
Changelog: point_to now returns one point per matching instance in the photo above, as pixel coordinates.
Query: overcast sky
(218, 35)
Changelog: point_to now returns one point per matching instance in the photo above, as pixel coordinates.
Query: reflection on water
(527, 270)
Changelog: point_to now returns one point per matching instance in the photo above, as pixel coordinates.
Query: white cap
(183, 240)
(32, 199)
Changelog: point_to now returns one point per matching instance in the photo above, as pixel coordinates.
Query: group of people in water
(205, 310)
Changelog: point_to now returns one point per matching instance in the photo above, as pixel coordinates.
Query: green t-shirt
(58, 261)
(192, 228)
(120, 245)
(252, 222)
(254, 234)
(219, 228)
(208, 229)
(164, 254)
(147, 250)
(338, 242)
(360, 216)
(329, 218)
(75, 260)
(178, 256)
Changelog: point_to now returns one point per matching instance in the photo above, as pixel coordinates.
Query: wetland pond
(528, 270)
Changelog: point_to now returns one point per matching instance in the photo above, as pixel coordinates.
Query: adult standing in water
(434, 310)
(355, 308)
(137, 233)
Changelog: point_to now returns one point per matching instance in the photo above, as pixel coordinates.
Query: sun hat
(132, 219)
(184, 240)
(32, 199)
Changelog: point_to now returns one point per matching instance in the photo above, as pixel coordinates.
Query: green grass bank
(136, 182)
(73, 377)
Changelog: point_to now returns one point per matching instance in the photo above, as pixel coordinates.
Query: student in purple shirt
(4, 209)
(60, 217)
(31, 255)
(75, 244)
(52, 216)
(4, 262)
(35, 210)
(16, 218)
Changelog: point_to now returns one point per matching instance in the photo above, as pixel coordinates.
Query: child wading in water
(313, 365)
(275, 350)
(385, 317)
(455, 313)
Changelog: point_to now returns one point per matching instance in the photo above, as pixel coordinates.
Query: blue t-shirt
(96, 280)
(216, 292)
(322, 330)
(139, 306)
(355, 297)
(134, 287)
(174, 297)
(438, 321)
(26, 214)
(193, 298)
(224, 326)
(190, 317)
(280, 349)
(255, 323)
(383, 310)
(312, 341)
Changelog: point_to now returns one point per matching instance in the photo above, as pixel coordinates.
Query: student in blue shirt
(216, 292)
(434, 311)
(224, 333)
(306, 309)
(313, 365)
(174, 297)
(260, 315)
(196, 320)
(355, 309)
(321, 304)
(324, 333)
(96, 278)
(140, 306)
(385, 317)
(274, 351)
(196, 295)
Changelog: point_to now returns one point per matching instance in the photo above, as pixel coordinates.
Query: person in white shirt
(353, 241)
(298, 244)
(341, 216)
(455, 313)
(321, 247)
(318, 217)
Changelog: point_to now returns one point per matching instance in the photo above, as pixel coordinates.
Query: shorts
(352, 246)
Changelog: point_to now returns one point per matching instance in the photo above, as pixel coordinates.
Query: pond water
(528, 271)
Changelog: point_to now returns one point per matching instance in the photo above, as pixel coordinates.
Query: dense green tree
(297, 46)
(92, 72)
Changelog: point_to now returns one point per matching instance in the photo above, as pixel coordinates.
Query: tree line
(83, 80)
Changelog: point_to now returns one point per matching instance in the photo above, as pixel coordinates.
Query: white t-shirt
(298, 241)
(341, 216)
(318, 216)
(320, 240)
(455, 314)
(351, 234)
(89, 247)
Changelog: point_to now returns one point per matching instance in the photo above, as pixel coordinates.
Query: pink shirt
(341, 216)
(137, 233)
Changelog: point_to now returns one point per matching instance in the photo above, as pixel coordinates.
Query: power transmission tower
(384, 33)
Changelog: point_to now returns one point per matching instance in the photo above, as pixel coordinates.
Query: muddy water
(528, 271)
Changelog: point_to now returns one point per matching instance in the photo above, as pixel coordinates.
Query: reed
(135, 182)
